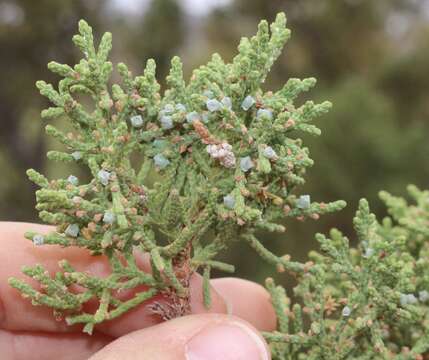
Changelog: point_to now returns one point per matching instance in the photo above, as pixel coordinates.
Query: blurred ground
(370, 58)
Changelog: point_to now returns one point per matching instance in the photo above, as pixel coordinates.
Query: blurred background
(370, 57)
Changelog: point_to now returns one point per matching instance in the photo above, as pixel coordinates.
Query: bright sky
(193, 7)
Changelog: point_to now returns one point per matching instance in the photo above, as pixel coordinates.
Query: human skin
(229, 330)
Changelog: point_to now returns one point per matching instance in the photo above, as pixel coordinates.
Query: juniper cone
(219, 160)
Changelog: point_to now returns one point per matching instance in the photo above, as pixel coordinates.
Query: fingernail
(226, 341)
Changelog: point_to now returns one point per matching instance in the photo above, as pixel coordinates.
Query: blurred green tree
(161, 33)
(31, 33)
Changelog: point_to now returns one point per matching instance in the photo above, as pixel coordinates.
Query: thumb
(194, 337)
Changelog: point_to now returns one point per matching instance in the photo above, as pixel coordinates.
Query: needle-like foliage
(367, 302)
(225, 162)
(179, 175)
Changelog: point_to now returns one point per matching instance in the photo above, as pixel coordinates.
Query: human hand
(229, 330)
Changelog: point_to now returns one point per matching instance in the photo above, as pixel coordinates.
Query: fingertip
(194, 337)
(232, 338)
(247, 300)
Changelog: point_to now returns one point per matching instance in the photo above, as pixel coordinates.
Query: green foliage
(368, 302)
(178, 176)
(380, 120)
(217, 160)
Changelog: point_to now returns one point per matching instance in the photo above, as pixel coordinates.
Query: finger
(195, 337)
(17, 313)
(42, 346)
(247, 300)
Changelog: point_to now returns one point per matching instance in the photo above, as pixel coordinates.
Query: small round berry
(229, 201)
(104, 177)
(77, 155)
(264, 113)
(38, 239)
(73, 180)
(412, 299)
(208, 93)
(168, 109)
(423, 296)
(368, 253)
(72, 230)
(192, 116)
(161, 161)
(180, 107)
(246, 163)
(227, 102)
(303, 202)
(247, 103)
(213, 105)
(166, 122)
(109, 217)
(346, 311)
(407, 299)
(269, 153)
(205, 118)
(136, 121)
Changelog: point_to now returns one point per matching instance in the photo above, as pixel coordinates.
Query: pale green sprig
(177, 176)
(368, 302)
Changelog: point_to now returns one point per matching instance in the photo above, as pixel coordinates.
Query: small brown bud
(280, 268)
(183, 148)
(119, 105)
(244, 192)
(289, 123)
(80, 213)
(343, 301)
(286, 257)
(308, 265)
(306, 310)
(92, 226)
(114, 188)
